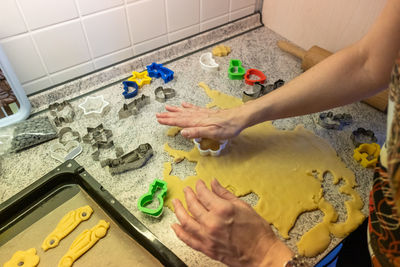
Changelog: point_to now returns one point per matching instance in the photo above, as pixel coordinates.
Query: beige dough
(172, 131)
(279, 167)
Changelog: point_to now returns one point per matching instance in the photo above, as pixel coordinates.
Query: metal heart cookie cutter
(133, 107)
(65, 130)
(208, 146)
(208, 63)
(127, 85)
(94, 105)
(361, 136)
(367, 154)
(146, 199)
(65, 152)
(162, 94)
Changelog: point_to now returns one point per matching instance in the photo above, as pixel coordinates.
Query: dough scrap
(280, 167)
(173, 131)
(28, 258)
(83, 243)
(67, 224)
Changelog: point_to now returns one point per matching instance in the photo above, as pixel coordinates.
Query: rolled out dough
(279, 167)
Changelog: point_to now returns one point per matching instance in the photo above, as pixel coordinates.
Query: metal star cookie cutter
(133, 107)
(162, 94)
(157, 186)
(215, 148)
(63, 131)
(130, 161)
(367, 154)
(94, 105)
(208, 63)
(60, 115)
(361, 136)
(71, 150)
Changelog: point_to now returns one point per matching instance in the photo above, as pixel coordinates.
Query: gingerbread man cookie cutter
(367, 154)
(146, 199)
(214, 147)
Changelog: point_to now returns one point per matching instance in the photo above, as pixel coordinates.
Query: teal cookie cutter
(236, 71)
(147, 198)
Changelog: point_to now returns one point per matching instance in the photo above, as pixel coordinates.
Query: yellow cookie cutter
(140, 78)
(367, 154)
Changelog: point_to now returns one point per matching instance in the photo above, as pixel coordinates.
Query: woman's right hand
(200, 122)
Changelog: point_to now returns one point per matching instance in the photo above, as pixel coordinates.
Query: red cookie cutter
(255, 72)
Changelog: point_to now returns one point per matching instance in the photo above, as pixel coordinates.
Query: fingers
(198, 211)
(188, 224)
(201, 132)
(207, 198)
(222, 192)
(186, 237)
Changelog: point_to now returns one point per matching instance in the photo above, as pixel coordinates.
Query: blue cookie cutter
(128, 84)
(158, 71)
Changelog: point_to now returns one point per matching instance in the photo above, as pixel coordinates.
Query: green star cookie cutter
(147, 198)
(236, 71)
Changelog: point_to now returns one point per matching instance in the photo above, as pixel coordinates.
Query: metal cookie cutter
(361, 136)
(63, 131)
(157, 186)
(208, 63)
(258, 91)
(159, 71)
(140, 78)
(127, 85)
(65, 152)
(162, 94)
(254, 72)
(210, 147)
(61, 116)
(278, 83)
(330, 121)
(99, 138)
(235, 70)
(94, 105)
(367, 154)
(133, 107)
(130, 161)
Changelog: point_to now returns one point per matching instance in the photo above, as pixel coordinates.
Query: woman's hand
(202, 122)
(227, 229)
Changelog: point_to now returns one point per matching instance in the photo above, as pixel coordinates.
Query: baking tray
(29, 216)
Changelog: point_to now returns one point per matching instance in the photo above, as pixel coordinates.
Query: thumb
(221, 191)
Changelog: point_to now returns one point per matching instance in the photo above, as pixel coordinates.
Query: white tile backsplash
(11, 22)
(91, 6)
(107, 32)
(213, 8)
(182, 13)
(41, 13)
(147, 19)
(24, 59)
(63, 46)
(51, 41)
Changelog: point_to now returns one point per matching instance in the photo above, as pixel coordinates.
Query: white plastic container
(25, 107)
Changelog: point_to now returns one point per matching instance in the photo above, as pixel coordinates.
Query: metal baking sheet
(28, 217)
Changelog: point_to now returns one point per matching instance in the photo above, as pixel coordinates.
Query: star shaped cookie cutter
(208, 63)
(367, 154)
(146, 199)
(140, 78)
(94, 105)
(210, 147)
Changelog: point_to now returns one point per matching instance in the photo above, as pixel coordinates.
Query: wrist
(277, 255)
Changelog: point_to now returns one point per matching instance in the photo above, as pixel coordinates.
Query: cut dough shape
(27, 258)
(83, 243)
(67, 224)
(279, 166)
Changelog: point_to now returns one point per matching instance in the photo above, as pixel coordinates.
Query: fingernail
(184, 132)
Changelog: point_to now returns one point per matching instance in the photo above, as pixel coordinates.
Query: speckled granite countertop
(256, 49)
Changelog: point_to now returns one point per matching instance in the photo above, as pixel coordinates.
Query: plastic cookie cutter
(130, 161)
(76, 136)
(133, 107)
(159, 71)
(66, 225)
(127, 85)
(64, 152)
(221, 50)
(83, 242)
(140, 78)
(254, 72)
(367, 154)
(27, 258)
(160, 187)
(162, 94)
(235, 70)
(94, 105)
(208, 146)
(62, 113)
(208, 63)
(361, 136)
